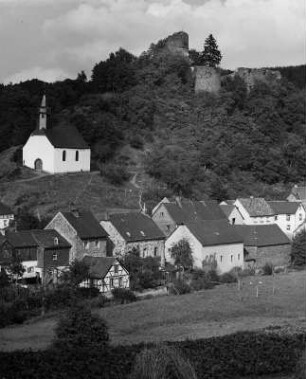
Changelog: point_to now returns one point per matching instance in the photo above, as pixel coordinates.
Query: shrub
(136, 141)
(200, 280)
(115, 174)
(162, 362)
(87, 293)
(99, 301)
(123, 295)
(179, 287)
(213, 276)
(229, 277)
(267, 269)
(298, 250)
(60, 297)
(79, 328)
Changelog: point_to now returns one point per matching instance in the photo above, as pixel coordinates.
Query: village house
(255, 210)
(129, 231)
(264, 244)
(105, 273)
(214, 244)
(169, 215)
(83, 231)
(44, 254)
(289, 216)
(232, 213)
(54, 150)
(298, 193)
(6, 217)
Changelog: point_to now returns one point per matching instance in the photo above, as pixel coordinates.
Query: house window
(238, 257)
(233, 221)
(300, 217)
(275, 218)
(86, 245)
(221, 258)
(288, 227)
(116, 267)
(161, 214)
(232, 257)
(168, 228)
(64, 156)
(155, 251)
(55, 241)
(120, 282)
(77, 155)
(111, 282)
(97, 243)
(288, 218)
(54, 257)
(144, 252)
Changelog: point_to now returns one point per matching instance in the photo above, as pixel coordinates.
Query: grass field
(208, 313)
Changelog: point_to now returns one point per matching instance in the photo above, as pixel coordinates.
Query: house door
(38, 165)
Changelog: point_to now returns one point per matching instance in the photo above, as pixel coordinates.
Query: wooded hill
(197, 145)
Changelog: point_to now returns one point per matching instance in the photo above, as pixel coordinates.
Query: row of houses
(235, 233)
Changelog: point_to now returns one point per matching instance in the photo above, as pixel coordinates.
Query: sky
(56, 39)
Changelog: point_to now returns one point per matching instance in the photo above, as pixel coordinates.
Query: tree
(182, 254)
(78, 272)
(16, 267)
(298, 250)
(80, 328)
(211, 55)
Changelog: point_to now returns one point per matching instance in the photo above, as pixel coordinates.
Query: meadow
(223, 310)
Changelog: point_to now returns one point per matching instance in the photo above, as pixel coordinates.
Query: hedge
(240, 354)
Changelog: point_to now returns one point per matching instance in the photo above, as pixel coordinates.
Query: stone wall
(178, 43)
(277, 255)
(207, 79)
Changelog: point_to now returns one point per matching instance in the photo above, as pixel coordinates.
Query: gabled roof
(35, 238)
(85, 224)
(284, 207)
(299, 192)
(211, 233)
(64, 137)
(227, 209)
(189, 210)
(262, 235)
(135, 227)
(99, 266)
(5, 210)
(256, 206)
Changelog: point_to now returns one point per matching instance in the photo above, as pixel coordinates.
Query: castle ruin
(207, 79)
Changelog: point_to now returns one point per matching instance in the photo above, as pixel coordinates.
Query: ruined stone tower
(207, 79)
(178, 43)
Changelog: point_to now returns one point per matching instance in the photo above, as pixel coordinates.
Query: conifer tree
(211, 55)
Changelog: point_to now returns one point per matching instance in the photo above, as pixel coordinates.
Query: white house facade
(205, 249)
(55, 150)
(6, 217)
(255, 211)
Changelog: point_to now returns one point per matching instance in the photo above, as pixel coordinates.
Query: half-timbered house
(106, 273)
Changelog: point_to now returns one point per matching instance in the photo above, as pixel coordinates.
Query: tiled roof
(284, 207)
(64, 137)
(85, 224)
(99, 266)
(256, 206)
(211, 233)
(299, 192)
(5, 210)
(36, 237)
(136, 227)
(189, 210)
(262, 235)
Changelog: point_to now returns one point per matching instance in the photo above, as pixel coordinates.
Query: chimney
(106, 217)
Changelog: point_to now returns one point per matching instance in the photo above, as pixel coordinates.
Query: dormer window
(64, 156)
(142, 233)
(55, 241)
(128, 234)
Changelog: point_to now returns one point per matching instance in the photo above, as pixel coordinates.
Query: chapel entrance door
(38, 165)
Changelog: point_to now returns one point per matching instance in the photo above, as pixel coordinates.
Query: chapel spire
(43, 114)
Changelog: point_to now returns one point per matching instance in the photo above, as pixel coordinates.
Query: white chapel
(57, 149)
